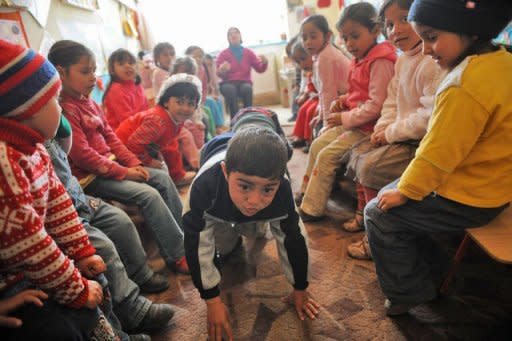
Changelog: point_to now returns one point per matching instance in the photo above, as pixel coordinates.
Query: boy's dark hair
(141, 55)
(180, 90)
(65, 53)
(257, 152)
(298, 47)
(319, 21)
(189, 63)
(119, 56)
(363, 13)
(159, 49)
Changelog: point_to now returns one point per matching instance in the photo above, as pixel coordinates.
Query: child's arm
(414, 126)
(149, 132)
(25, 297)
(381, 72)
(390, 105)
(327, 88)
(443, 148)
(118, 104)
(87, 158)
(26, 244)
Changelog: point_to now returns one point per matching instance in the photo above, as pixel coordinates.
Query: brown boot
(355, 224)
(360, 249)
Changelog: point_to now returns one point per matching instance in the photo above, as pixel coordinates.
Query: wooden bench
(494, 238)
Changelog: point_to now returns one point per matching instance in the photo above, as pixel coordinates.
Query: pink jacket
(368, 82)
(330, 77)
(123, 100)
(240, 71)
(94, 142)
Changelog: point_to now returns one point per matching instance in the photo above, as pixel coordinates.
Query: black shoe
(305, 150)
(157, 283)
(156, 317)
(298, 198)
(298, 143)
(308, 218)
(292, 119)
(140, 337)
(397, 309)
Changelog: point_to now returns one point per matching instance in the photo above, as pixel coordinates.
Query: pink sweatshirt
(330, 77)
(240, 71)
(124, 99)
(407, 109)
(94, 142)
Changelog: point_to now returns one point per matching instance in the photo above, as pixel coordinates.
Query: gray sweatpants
(398, 237)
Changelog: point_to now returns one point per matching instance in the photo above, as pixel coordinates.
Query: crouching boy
(241, 187)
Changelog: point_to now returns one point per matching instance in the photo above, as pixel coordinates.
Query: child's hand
(91, 266)
(314, 121)
(391, 198)
(144, 172)
(95, 294)
(218, 320)
(378, 138)
(139, 174)
(303, 304)
(334, 119)
(338, 104)
(17, 301)
(154, 163)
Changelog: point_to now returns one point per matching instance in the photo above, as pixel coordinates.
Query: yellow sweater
(466, 155)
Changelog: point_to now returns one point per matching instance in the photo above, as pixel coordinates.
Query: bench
(494, 238)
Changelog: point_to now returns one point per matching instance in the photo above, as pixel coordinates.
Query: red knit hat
(27, 81)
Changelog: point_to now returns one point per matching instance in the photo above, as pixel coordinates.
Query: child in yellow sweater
(461, 175)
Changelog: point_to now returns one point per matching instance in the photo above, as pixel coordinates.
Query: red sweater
(124, 99)
(39, 227)
(94, 142)
(153, 126)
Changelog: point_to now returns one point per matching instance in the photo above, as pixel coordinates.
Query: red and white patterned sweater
(39, 226)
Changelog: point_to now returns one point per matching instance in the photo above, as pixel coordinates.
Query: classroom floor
(479, 306)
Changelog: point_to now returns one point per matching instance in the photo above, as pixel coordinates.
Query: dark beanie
(482, 18)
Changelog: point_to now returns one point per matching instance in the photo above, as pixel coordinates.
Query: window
(205, 22)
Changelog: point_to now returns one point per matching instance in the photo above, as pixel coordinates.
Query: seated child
(241, 189)
(356, 112)
(214, 100)
(112, 171)
(124, 95)
(307, 99)
(164, 56)
(461, 175)
(153, 135)
(42, 242)
(383, 156)
(116, 240)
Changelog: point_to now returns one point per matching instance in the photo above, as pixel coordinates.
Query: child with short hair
(241, 189)
(164, 55)
(153, 135)
(42, 241)
(103, 164)
(383, 156)
(355, 113)
(461, 175)
(124, 95)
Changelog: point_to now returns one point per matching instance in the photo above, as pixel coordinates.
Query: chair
(494, 238)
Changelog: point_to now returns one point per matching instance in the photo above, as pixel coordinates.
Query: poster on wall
(12, 29)
(90, 5)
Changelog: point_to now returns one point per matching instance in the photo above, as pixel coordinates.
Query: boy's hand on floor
(91, 266)
(95, 294)
(304, 304)
(218, 320)
(17, 301)
(391, 198)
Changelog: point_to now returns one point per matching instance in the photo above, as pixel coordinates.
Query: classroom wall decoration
(90, 5)
(12, 29)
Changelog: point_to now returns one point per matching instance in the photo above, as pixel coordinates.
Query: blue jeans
(401, 242)
(159, 202)
(216, 107)
(129, 306)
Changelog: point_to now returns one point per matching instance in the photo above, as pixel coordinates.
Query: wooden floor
(478, 308)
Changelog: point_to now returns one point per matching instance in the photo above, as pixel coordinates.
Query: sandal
(360, 249)
(354, 224)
